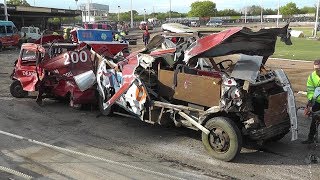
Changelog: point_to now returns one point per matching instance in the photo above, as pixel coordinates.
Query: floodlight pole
(131, 16)
(261, 14)
(5, 10)
(278, 13)
(317, 18)
(170, 11)
(88, 11)
(118, 13)
(245, 12)
(144, 17)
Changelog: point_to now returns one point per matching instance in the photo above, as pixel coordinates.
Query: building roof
(42, 11)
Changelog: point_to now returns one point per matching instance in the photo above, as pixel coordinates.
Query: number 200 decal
(75, 57)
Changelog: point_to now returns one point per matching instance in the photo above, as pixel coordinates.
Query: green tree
(202, 9)
(289, 9)
(228, 12)
(18, 2)
(254, 10)
(307, 10)
(270, 11)
(162, 16)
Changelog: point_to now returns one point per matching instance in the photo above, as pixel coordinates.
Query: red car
(52, 70)
(60, 69)
(9, 35)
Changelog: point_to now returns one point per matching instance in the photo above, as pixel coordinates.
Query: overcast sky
(163, 5)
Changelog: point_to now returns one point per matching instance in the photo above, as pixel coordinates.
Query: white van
(30, 32)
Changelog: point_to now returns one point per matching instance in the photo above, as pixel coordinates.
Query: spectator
(146, 37)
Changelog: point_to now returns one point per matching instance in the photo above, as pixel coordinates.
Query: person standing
(313, 102)
(146, 36)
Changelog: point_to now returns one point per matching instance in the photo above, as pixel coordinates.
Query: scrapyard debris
(184, 80)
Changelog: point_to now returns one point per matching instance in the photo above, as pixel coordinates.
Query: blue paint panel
(94, 35)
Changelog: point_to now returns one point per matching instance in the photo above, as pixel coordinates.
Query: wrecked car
(218, 85)
(55, 68)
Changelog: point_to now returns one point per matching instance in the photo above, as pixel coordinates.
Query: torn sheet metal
(145, 60)
(292, 110)
(247, 68)
(238, 40)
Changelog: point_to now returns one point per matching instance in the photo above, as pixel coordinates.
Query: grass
(301, 49)
(307, 31)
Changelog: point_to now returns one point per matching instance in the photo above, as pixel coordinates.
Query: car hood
(238, 40)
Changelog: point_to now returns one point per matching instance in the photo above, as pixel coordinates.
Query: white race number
(75, 57)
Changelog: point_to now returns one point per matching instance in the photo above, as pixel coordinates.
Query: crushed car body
(217, 84)
(58, 69)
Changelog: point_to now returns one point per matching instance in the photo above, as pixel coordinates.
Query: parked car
(214, 23)
(194, 24)
(199, 87)
(177, 28)
(98, 26)
(30, 32)
(9, 35)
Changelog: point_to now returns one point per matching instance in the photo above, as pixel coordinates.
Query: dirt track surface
(297, 73)
(165, 152)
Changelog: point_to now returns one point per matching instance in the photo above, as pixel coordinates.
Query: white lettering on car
(28, 73)
(75, 57)
(68, 74)
(67, 59)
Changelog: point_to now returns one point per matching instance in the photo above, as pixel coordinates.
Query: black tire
(224, 141)
(16, 90)
(109, 110)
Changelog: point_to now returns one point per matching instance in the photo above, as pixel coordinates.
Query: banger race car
(54, 68)
(218, 84)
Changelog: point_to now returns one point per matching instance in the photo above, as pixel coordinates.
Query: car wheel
(224, 141)
(16, 90)
(101, 101)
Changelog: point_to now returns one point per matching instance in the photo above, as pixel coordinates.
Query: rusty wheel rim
(219, 140)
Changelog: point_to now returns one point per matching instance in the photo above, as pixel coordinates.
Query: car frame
(229, 103)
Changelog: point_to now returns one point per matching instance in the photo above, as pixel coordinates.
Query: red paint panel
(108, 48)
(162, 52)
(210, 41)
(128, 78)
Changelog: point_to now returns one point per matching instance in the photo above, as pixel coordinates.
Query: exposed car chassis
(229, 101)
